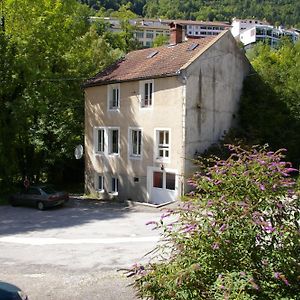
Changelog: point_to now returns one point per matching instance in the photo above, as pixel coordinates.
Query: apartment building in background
(148, 29)
(251, 31)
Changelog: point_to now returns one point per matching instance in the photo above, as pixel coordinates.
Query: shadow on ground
(15, 220)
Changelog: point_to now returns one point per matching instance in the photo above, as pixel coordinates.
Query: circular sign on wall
(78, 151)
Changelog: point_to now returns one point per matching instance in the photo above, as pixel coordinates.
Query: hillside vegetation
(285, 12)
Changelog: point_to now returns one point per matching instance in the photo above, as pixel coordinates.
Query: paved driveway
(74, 252)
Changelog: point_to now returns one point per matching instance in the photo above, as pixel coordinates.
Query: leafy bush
(236, 236)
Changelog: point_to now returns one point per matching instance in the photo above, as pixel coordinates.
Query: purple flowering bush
(236, 235)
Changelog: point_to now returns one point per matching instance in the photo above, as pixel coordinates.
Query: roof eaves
(92, 84)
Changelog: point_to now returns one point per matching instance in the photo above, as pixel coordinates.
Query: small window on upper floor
(113, 99)
(146, 93)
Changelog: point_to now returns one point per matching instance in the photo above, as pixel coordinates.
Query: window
(114, 185)
(170, 181)
(158, 179)
(113, 97)
(163, 144)
(135, 143)
(139, 34)
(149, 34)
(164, 180)
(113, 141)
(99, 183)
(33, 191)
(146, 94)
(99, 140)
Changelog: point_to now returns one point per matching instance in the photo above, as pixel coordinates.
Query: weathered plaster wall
(214, 85)
(167, 112)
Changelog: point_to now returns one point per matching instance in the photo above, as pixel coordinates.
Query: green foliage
(279, 12)
(287, 12)
(270, 104)
(235, 237)
(129, 42)
(160, 40)
(47, 50)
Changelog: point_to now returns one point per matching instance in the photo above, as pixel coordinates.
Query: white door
(162, 185)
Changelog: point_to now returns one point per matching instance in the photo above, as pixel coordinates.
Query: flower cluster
(240, 223)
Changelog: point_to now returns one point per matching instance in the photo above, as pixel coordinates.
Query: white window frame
(130, 143)
(143, 96)
(96, 140)
(163, 147)
(99, 177)
(109, 141)
(110, 100)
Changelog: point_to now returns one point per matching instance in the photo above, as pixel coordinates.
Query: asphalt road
(74, 252)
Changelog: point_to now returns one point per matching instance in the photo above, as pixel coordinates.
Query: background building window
(139, 34)
(149, 34)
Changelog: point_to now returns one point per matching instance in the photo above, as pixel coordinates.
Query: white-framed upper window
(163, 144)
(114, 185)
(113, 96)
(99, 140)
(99, 182)
(135, 142)
(146, 93)
(113, 140)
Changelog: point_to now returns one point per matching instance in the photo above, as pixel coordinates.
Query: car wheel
(40, 205)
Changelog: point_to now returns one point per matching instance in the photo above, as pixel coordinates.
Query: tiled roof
(139, 65)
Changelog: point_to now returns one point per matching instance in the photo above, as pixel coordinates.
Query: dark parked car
(39, 196)
(11, 292)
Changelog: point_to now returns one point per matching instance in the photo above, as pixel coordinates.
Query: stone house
(149, 113)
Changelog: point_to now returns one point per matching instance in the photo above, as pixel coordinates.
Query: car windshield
(48, 189)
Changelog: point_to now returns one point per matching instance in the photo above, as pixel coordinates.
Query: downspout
(183, 77)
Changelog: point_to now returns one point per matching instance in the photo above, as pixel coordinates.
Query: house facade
(148, 114)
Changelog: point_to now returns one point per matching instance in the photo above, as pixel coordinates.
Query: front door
(162, 185)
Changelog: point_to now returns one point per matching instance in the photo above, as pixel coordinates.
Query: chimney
(175, 33)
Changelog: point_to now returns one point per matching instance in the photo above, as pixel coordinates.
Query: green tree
(235, 237)
(56, 49)
(270, 106)
(160, 40)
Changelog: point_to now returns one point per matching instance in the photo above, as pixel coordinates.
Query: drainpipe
(183, 77)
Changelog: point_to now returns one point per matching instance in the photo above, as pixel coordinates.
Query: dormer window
(113, 92)
(146, 92)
